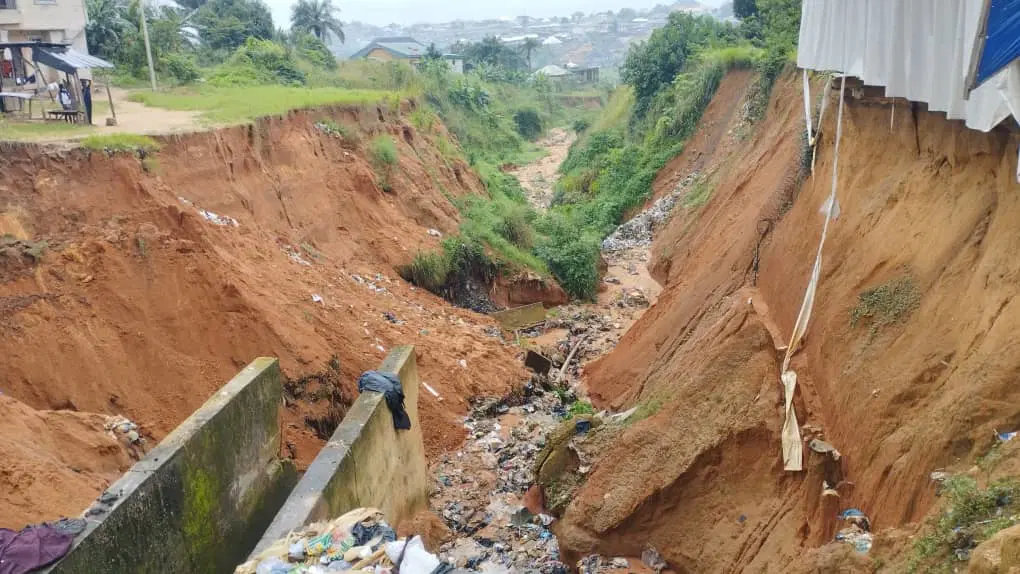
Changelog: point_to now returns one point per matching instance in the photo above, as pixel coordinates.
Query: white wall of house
(58, 21)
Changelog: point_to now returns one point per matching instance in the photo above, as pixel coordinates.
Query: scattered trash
(652, 559)
(435, 233)
(392, 318)
(316, 298)
(822, 447)
(358, 541)
(582, 426)
(429, 388)
(1007, 436)
(462, 363)
(856, 517)
(224, 220)
(295, 255)
(856, 537)
(637, 232)
(33, 547)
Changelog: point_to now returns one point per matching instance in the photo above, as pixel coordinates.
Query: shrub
(259, 62)
(529, 123)
(971, 516)
(315, 51)
(515, 227)
(573, 259)
(429, 271)
(888, 303)
(383, 152)
(581, 125)
(181, 68)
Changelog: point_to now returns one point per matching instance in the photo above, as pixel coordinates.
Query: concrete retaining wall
(200, 500)
(366, 463)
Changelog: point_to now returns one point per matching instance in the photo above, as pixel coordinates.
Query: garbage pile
(359, 541)
(485, 495)
(858, 533)
(639, 230)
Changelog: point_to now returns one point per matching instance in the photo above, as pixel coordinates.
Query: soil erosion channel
(492, 494)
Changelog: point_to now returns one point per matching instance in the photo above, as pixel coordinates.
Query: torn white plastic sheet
(807, 110)
(916, 49)
(793, 455)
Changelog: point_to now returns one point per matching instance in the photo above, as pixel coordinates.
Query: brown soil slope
(931, 206)
(141, 306)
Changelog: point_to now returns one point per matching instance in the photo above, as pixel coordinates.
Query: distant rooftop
(400, 46)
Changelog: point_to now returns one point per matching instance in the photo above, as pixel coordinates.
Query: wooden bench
(69, 116)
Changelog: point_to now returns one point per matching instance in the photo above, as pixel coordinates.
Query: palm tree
(317, 17)
(106, 25)
(529, 46)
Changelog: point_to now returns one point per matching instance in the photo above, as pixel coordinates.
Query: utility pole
(148, 50)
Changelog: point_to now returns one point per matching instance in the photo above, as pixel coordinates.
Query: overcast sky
(382, 12)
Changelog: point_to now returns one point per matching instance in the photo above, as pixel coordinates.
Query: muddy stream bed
(526, 453)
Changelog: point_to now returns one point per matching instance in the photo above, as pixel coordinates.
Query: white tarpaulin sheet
(917, 49)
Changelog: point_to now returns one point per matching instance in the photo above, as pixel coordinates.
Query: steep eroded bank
(144, 302)
(915, 383)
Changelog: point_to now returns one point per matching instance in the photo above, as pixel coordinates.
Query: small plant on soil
(580, 408)
(699, 194)
(516, 229)
(383, 154)
(888, 303)
(429, 270)
(970, 516)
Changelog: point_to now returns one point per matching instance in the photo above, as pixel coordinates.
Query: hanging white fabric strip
(792, 447)
(807, 110)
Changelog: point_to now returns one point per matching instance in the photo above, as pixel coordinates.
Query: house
(54, 21)
(402, 48)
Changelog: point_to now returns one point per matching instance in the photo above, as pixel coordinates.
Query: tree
(653, 64)
(227, 24)
(317, 17)
(491, 51)
(106, 26)
(744, 8)
(529, 46)
(577, 17)
(433, 53)
(627, 14)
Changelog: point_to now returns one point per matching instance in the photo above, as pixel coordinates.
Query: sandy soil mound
(908, 366)
(160, 278)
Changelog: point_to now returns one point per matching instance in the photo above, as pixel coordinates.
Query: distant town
(598, 40)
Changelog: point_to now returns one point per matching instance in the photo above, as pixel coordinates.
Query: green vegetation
(116, 143)
(580, 408)
(971, 515)
(221, 105)
(383, 154)
(888, 303)
(28, 131)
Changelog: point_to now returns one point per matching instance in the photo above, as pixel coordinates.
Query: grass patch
(698, 195)
(32, 131)
(429, 270)
(888, 303)
(645, 409)
(226, 105)
(383, 151)
(580, 408)
(116, 143)
(971, 515)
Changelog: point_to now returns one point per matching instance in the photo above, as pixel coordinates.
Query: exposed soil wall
(927, 204)
(140, 306)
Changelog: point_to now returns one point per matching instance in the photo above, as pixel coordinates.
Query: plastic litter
(1007, 436)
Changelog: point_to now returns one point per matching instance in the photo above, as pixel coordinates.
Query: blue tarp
(1001, 40)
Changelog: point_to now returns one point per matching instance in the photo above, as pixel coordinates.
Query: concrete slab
(521, 317)
(366, 463)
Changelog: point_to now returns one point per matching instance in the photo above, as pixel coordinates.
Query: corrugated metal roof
(68, 60)
(404, 47)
